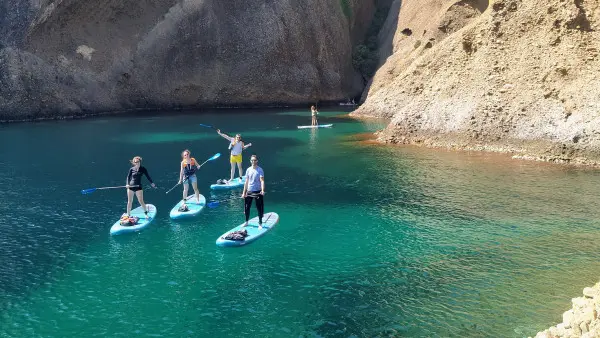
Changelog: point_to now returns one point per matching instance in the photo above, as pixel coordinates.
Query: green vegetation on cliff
(364, 56)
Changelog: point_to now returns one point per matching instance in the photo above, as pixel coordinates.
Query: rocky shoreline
(531, 150)
(508, 76)
(583, 320)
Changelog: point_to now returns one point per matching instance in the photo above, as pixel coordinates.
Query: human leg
(140, 197)
(247, 205)
(130, 194)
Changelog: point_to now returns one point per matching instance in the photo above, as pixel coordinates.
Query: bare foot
(260, 226)
(245, 224)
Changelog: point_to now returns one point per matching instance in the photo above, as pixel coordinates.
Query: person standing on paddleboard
(254, 188)
(314, 112)
(134, 184)
(188, 174)
(236, 145)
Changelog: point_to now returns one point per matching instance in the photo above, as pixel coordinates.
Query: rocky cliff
(70, 57)
(582, 320)
(506, 75)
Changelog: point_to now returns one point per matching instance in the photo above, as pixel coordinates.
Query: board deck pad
(117, 228)
(270, 219)
(193, 206)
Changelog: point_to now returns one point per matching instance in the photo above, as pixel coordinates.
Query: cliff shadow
(388, 31)
(384, 39)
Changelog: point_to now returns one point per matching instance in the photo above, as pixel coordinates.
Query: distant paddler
(314, 112)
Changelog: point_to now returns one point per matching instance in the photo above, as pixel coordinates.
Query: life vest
(190, 168)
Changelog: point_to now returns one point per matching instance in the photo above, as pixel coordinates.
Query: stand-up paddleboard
(117, 228)
(269, 221)
(194, 207)
(233, 184)
(317, 126)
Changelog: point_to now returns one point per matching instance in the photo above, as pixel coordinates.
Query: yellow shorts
(235, 158)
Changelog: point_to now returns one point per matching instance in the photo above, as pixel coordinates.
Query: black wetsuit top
(134, 177)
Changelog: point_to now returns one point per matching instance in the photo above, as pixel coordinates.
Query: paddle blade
(213, 204)
(87, 191)
(215, 156)
(205, 125)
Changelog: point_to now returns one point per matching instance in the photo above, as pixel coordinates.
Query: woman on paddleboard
(188, 174)
(134, 184)
(254, 188)
(236, 145)
(314, 112)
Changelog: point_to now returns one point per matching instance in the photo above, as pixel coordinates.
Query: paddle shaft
(121, 186)
(216, 203)
(215, 156)
(91, 190)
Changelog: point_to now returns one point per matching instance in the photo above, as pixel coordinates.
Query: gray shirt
(253, 177)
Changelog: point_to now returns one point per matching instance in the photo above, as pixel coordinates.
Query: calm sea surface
(373, 240)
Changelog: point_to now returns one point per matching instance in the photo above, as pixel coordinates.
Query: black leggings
(260, 204)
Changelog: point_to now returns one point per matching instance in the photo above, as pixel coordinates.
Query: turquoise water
(373, 240)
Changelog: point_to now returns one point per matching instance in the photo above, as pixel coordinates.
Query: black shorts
(134, 189)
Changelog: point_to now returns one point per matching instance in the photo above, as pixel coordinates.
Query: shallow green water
(373, 241)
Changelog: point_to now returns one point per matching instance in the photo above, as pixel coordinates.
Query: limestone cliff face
(103, 55)
(505, 75)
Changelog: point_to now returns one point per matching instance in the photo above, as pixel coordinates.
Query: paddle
(214, 157)
(207, 126)
(91, 190)
(215, 204)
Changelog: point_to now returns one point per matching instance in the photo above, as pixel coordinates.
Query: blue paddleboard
(117, 228)
(233, 184)
(254, 233)
(317, 126)
(194, 207)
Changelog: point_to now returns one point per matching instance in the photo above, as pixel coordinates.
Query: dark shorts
(134, 189)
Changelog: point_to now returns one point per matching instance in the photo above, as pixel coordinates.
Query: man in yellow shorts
(236, 145)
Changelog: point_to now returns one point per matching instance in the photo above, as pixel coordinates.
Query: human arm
(148, 177)
(262, 185)
(225, 136)
(245, 186)
(180, 175)
(247, 145)
(128, 179)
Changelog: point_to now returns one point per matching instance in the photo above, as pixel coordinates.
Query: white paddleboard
(317, 126)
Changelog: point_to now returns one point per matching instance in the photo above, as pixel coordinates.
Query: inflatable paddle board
(193, 206)
(117, 228)
(254, 233)
(233, 184)
(317, 126)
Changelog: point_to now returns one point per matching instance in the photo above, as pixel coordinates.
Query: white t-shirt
(236, 148)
